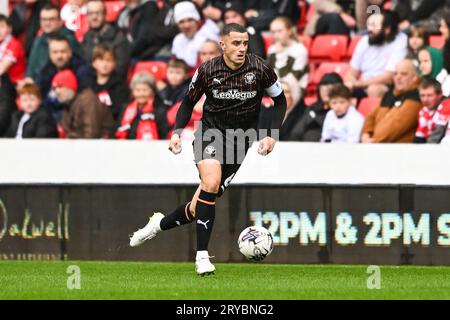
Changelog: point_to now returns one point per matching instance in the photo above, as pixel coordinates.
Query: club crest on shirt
(249, 78)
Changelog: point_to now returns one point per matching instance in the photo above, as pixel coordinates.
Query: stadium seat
(328, 48)
(340, 68)
(367, 104)
(268, 39)
(437, 41)
(112, 9)
(352, 46)
(156, 68)
(310, 100)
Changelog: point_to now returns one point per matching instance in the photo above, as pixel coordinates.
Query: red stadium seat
(268, 39)
(310, 100)
(437, 41)
(156, 68)
(352, 46)
(340, 68)
(368, 104)
(112, 9)
(328, 48)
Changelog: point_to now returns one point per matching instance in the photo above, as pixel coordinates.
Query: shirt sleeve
(270, 81)
(198, 84)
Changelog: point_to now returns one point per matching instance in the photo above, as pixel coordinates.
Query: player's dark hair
(428, 82)
(233, 27)
(340, 91)
(5, 19)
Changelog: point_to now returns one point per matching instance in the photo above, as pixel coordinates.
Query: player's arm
(196, 89)
(279, 110)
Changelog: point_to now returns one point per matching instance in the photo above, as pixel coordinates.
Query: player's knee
(210, 184)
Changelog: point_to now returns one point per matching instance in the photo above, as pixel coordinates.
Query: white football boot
(148, 232)
(203, 266)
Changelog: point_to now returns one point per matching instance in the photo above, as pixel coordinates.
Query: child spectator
(84, 115)
(178, 82)
(12, 54)
(32, 120)
(431, 63)
(343, 123)
(111, 89)
(309, 128)
(287, 55)
(430, 93)
(145, 117)
(417, 40)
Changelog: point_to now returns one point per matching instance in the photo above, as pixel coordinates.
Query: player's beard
(377, 39)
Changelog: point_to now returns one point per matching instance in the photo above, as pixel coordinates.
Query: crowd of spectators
(120, 69)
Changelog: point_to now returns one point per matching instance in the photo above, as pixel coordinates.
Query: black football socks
(180, 216)
(205, 213)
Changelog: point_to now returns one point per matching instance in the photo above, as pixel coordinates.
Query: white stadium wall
(323, 203)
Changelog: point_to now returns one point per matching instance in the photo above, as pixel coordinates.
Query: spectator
(209, 49)
(7, 104)
(343, 123)
(294, 109)
(61, 58)
(361, 10)
(32, 120)
(260, 13)
(25, 19)
(418, 39)
(188, 42)
(444, 28)
(51, 25)
(376, 55)
(84, 115)
(424, 12)
(330, 17)
(213, 9)
(157, 44)
(431, 63)
(178, 82)
(441, 130)
(73, 15)
(234, 13)
(145, 117)
(395, 120)
(111, 89)
(12, 55)
(431, 98)
(287, 55)
(137, 22)
(309, 128)
(101, 32)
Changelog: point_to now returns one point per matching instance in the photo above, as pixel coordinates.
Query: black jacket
(7, 103)
(309, 128)
(172, 95)
(109, 35)
(118, 91)
(40, 125)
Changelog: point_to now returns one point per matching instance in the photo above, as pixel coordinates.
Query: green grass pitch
(151, 280)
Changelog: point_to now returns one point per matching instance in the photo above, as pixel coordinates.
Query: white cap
(184, 10)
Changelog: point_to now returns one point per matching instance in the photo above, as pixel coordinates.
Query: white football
(255, 243)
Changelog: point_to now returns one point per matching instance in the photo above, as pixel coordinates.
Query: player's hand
(175, 144)
(266, 146)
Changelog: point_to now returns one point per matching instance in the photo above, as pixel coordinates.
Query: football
(255, 243)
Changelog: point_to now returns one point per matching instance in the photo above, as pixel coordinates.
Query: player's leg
(205, 211)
